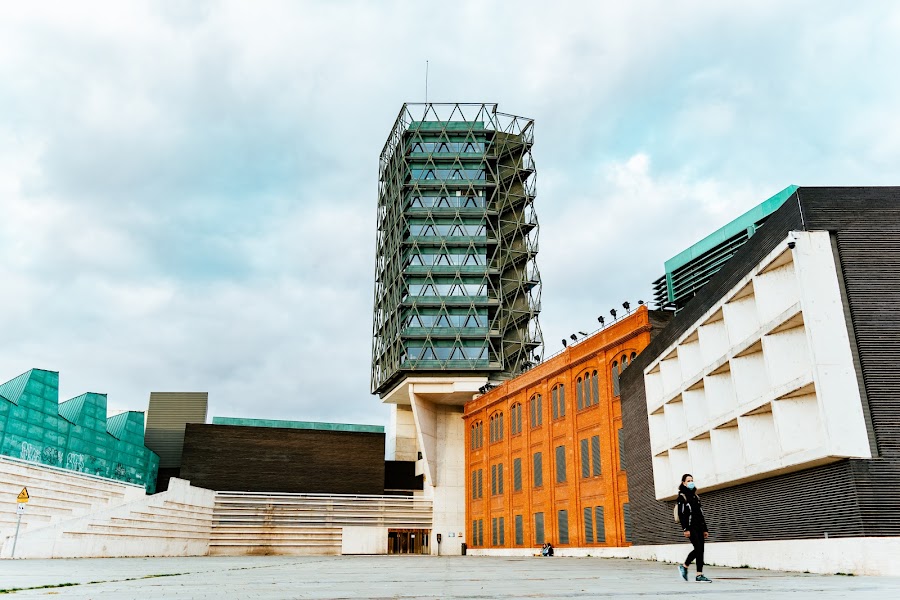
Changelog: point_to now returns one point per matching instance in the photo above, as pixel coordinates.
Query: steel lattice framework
(457, 289)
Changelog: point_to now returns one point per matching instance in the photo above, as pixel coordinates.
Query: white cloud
(187, 190)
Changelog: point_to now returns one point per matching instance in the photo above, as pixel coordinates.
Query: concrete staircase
(73, 515)
(176, 522)
(247, 523)
(56, 494)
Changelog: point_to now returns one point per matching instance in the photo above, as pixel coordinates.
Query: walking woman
(693, 523)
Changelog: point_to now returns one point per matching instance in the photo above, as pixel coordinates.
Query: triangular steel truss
(457, 287)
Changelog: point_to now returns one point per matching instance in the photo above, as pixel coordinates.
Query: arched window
(615, 378)
(558, 401)
(496, 427)
(587, 390)
(537, 411)
(515, 419)
(477, 435)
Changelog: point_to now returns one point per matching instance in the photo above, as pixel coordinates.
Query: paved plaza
(261, 578)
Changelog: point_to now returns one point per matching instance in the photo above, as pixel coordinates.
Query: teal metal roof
(12, 389)
(115, 425)
(736, 226)
(71, 409)
(297, 425)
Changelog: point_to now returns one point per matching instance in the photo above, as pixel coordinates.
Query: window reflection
(460, 201)
(447, 147)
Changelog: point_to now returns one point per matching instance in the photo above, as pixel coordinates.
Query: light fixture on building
(601, 320)
(564, 342)
(627, 306)
(612, 311)
(573, 337)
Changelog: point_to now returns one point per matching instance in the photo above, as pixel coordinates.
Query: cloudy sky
(188, 189)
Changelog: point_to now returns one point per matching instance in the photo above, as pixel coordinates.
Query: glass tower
(457, 290)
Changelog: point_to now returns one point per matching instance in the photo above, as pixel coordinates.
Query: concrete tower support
(436, 407)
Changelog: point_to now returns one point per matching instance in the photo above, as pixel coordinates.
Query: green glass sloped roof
(12, 389)
(70, 409)
(297, 425)
(115, 425)
(731, 229)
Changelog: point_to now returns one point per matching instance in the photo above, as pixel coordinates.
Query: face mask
(690, 485)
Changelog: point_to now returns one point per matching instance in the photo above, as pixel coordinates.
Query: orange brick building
(543, 449)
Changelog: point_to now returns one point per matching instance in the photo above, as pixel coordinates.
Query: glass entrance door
(408, 541)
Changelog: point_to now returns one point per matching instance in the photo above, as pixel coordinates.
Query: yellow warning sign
(23, 496)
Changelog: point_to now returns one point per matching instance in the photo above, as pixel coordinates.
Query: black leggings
(697, 540)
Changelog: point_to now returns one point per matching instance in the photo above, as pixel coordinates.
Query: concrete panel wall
(364, 540)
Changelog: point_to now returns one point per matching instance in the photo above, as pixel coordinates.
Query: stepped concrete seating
(56, 494)
(305, 524)
(177, 522)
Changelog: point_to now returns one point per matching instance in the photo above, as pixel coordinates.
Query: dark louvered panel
(517, 474)
(520, 531)
(480, 483)
(562, 517)
(539, 528)
(600, 524)
(595, 455)
(538, 469)
(585, 460)
(560, 464)
(502, 528)
(588, 525)
(562, 400)
(500, 478)
(554, 402)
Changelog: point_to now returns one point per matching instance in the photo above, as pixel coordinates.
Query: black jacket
(689, 511)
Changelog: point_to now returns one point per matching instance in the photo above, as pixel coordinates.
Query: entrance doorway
(408, 541)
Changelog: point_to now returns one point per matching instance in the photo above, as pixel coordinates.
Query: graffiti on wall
(52, 456)
(75, 461)
(30, 452)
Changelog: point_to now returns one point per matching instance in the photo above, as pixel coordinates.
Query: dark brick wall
(847, 498)
(263, 459)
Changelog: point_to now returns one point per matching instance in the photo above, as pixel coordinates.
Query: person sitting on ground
(544, 549)
(549, 549)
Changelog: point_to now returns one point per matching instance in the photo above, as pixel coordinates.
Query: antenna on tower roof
(426, 82)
